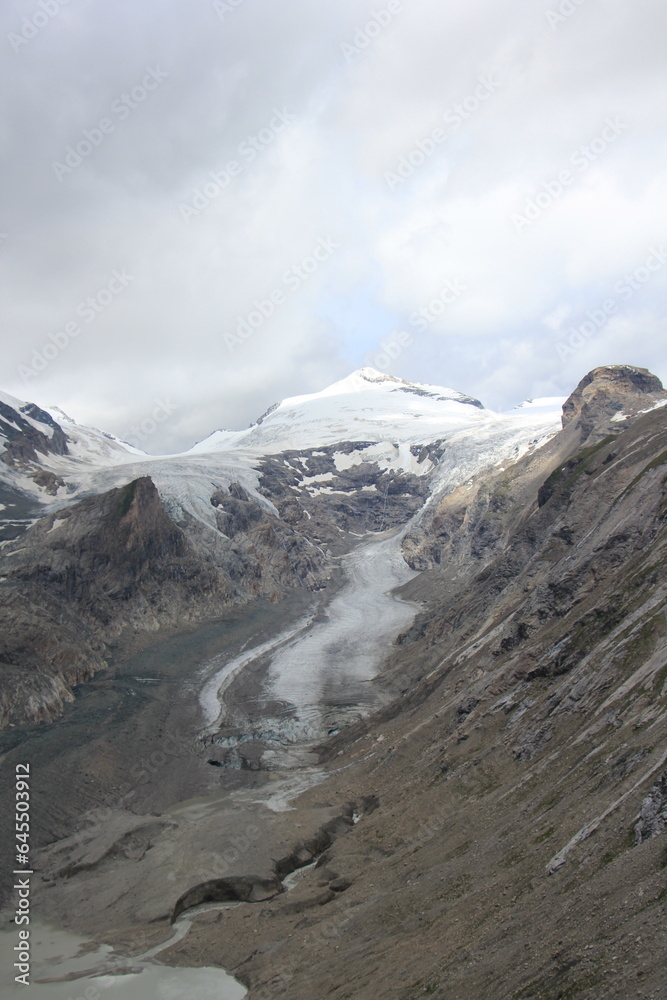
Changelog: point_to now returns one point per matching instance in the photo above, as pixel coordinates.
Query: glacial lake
(76, 970)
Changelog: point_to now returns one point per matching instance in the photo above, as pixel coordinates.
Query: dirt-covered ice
(320, 671)
(325, 673)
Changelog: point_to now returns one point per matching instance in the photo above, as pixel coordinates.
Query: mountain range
(113, 539)
(505, 783)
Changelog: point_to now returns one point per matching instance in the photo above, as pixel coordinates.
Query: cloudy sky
(208, 206)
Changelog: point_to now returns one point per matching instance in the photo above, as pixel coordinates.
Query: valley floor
(125, 800)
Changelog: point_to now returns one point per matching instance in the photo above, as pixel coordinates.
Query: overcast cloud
(498, 166)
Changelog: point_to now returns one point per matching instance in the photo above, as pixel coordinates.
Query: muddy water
(65, 966)
(130, 738)
(135, 726)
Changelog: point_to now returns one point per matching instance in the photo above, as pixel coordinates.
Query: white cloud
(324, 175)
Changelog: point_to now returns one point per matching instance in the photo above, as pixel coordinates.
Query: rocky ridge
(118, 564)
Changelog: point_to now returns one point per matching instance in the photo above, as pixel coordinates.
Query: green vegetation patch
(125, 498)
(563, 479)
(549, 832)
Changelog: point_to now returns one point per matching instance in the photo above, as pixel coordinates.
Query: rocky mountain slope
(115, 564)
(500, 820)
(518, 846)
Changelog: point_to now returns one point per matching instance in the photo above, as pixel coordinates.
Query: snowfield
(394, 418)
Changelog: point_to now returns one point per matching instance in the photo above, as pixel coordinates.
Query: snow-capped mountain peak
(365, 379)
(368, 421)
(364, 406)
(59, 414)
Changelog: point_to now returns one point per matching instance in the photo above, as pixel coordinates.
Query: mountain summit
(609, 395)
(259, 510)
(366, 405)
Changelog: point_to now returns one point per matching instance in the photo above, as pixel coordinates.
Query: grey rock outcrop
(605, 393)
(117, 564)
(653, 815)
(514, 841)
(24, 443)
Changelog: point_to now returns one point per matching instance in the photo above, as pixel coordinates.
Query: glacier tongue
(325, 673)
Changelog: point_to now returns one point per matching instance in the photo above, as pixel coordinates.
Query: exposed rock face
(118, 561)
(554, 577)
(115, 562)
(118, 552)
(515, 847)
(17, 512)
(46, 649)
(653, 816)
(23, 442)
(264, 554)
(471, 523)
(329, 502)
(76, 578)
(607, 392)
